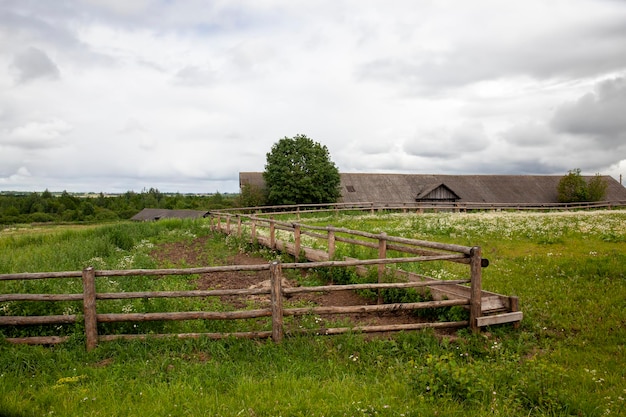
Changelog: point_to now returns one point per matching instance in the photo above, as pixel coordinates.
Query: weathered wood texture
(445, 293)
(490, 302)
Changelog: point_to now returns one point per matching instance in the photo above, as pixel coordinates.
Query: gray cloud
(599, 114)
(543, 53)
(529, 134)
(469, 137)
(34, 63)
(193, 76)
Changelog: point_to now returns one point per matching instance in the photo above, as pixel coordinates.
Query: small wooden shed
(150, 214)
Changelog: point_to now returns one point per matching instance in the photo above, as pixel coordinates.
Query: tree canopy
(574, 189)
(300, 171)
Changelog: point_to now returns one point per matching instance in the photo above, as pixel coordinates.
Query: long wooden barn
(490, 189)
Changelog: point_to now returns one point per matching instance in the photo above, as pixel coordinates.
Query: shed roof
(157, 214)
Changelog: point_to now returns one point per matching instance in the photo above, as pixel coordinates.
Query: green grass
(567, 358)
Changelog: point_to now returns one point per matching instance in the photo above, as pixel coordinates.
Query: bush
(574, 189)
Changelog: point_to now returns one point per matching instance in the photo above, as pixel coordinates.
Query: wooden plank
(378, 308)
(385, 328)
(492, 304)
(41, 297)
(187, 315)
(345, 287)
(36, 320)
(38, 340)
(514, 316)
(213, 336)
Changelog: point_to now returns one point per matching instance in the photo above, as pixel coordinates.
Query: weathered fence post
(382, 254)
(296, 238)
(475, 287)
(228, 225)
(514, 306)
(219, 223)
(272, 234)
(89, 308)
(253, 232)
(238, 226)
(211, 225)
(331, 245)
(276, 278)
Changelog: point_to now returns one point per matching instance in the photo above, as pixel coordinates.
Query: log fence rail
(421, 207)
(446, 293)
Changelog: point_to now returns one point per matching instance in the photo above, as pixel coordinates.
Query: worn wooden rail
(485, 308)
(494, 308)
(421, 207)
(277, 312)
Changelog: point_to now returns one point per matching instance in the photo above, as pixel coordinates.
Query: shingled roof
(494, 189)
(157, 214)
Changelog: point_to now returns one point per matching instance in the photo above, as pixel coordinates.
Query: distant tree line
(46, 207)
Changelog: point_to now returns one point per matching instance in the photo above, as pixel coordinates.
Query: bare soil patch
(194, 255)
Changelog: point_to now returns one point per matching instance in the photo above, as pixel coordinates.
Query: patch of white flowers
(126, 262)
(144, 244)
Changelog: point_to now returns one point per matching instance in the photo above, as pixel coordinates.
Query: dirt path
(193, 255)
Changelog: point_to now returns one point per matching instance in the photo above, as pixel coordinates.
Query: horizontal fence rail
(487, 307)
(286, 237)
(422, 206)
(91, 318)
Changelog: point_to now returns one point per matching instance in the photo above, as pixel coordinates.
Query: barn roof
(158, 214)
(511, 189)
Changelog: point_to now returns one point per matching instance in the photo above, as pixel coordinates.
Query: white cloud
(38, 135)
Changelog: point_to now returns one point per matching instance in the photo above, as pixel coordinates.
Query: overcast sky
(119, 95)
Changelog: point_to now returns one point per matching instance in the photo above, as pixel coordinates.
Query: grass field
(567, 358)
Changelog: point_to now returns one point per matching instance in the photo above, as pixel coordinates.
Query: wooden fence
(490, 308)
(484, 308)
(423, 206)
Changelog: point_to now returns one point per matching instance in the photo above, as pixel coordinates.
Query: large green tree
(300, 171)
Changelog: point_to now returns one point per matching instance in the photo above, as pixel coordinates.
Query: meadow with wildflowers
(568, 357)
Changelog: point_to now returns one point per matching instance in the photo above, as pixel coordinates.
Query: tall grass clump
(124, 245)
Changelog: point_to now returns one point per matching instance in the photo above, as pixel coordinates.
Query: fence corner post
(89, 308)
(276, 278)
(514, 306)
(475, 287)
